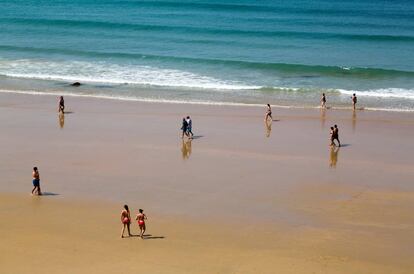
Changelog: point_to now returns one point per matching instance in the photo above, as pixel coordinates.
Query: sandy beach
(239, 198)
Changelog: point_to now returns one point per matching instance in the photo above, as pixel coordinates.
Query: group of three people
(126, 221)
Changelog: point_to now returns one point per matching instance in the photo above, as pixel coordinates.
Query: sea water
(284, 52)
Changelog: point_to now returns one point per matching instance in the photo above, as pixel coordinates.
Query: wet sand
(239, 198)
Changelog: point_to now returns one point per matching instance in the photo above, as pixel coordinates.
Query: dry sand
(238, 199)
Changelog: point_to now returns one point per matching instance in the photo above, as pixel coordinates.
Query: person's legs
(129, 230)
(33, 190)
(332, 142)
(39, 192)
(123, 230)
(142, 228)
(140, 231)
(339, 142)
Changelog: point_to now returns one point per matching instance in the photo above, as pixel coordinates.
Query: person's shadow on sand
(49, 194)
(149, 237)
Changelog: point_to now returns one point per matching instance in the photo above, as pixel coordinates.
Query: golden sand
(240, 198)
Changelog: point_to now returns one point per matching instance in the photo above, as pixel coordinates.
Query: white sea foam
(102, 72)
(382, 93)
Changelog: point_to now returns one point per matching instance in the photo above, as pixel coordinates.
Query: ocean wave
(102, 72)
(225, 32)
(288, 69)
(382, 93)
(152, 77)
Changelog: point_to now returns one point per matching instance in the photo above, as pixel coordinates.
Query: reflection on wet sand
(268, 128)
(186, 149)
(323, 117)
(334, 156)
(61, 120)
(354, 118)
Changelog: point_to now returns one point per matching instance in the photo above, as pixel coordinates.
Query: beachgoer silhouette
(354, 101)
(323, 101)
(189, 126)
(332, 136)
(336, 135)
(61, 107)
(184, 128)
(268, 113)
(126, 221)
(141, 217)
(36, 182)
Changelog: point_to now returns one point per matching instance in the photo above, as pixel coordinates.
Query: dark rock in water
(76, 84)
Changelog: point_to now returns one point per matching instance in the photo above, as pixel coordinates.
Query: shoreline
(283, 98)
(202, 103)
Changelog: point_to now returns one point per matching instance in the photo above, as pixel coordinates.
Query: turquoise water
(243, 52)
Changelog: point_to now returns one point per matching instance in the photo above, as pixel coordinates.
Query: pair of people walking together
(126, 221)
(335, 136)
(187, 127)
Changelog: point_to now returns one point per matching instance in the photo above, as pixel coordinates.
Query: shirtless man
(268, 113)
(323, 101)
(336, 135)
(141, 217)
(354, 101)
(61, 105)
(36, 182)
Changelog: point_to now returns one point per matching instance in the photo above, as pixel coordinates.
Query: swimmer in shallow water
(354, 101)
(323, 101)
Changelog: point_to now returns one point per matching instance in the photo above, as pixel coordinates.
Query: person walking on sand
(336, 135)
(141, 217)
(126, 221)
(354, 101)
(189, 127)
(323, 101)
(36, 182)
(332, 135)
(61, 107)
(184, 128)
(268, 113)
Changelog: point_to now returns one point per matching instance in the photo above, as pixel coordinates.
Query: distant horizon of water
(212, 52)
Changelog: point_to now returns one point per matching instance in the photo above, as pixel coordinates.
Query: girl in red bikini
(141, 217)
(126, 220)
